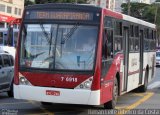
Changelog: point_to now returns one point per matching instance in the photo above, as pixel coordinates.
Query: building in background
(9, 11)
(110, 4)
(114, 5)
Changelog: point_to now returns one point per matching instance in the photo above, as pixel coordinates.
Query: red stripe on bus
(112, 14)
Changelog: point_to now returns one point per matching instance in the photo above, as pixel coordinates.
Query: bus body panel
(108, 81)
(55, 80)
(71, 96)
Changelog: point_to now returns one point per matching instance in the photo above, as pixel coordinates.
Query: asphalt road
(130, 103)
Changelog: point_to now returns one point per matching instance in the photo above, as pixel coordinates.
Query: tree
(136, 9)
(145, 12)
(157, 20)
(149, 13)
(28, 2)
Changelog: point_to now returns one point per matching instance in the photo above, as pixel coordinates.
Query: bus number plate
(53, 93)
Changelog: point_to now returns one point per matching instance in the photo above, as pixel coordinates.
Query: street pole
(129, 7)
(76, 1)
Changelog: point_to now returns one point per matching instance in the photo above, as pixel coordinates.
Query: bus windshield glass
(58, 46)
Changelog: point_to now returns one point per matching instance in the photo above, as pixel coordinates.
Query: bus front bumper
(57, 95)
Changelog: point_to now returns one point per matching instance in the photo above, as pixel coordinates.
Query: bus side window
(104, 46)
(107, 51)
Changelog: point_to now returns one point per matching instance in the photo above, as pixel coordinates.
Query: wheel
(10, 92)
(143, 88)
(111, 104)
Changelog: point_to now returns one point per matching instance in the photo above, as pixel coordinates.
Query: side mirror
(0, 67)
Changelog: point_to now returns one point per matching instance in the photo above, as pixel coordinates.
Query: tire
(143, 88)
(10, 92)
(112, 104)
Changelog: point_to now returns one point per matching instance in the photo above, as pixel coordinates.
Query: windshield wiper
(36, 55)
(45, 33)
(49, 39)
(70, 33)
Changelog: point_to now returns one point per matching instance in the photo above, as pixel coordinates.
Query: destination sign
(59, 15)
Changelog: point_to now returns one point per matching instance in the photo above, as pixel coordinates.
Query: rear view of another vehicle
(6, 73)
(158, 58)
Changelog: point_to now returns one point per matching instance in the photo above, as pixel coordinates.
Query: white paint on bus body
(138, 21)
(72, 96)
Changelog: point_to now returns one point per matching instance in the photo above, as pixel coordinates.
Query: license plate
(53, 93)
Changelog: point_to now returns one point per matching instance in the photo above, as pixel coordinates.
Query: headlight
(85, 84)
(23, 81)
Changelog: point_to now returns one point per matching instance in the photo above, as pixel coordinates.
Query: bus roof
(138, 21)
(89, 8)
(131, 19)
(63, 6)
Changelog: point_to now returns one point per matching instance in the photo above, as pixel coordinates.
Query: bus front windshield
(58, 46)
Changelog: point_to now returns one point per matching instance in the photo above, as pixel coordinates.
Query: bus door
(141, 57)
(107, 51)
(107, 59)
(126, 56)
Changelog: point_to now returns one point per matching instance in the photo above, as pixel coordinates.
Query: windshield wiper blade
(36, 55)
(45, 33)
(70, 33)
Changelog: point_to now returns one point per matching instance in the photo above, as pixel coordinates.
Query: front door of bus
(126, 56)
(141, 57)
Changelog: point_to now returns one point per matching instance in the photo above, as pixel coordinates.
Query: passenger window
(107, 51)
(117, 44)
(108, 44)
(6, 61)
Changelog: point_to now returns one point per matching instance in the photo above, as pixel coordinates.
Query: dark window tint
(131, 44)
(108, 22)
(146, 44)
(136, 44)
(108, 44)
(118, 28)
(136, 31)
(6, 60)
(132, 31)
(155, 35)
(146, 33)
(117, 44)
